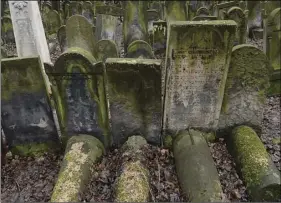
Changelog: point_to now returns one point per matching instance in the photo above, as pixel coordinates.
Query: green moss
(22, 71)
(276, 140)
(175, 11)
(275, 88)
(168, 141)
(34, 149)
(210, 137)
(133, 184)
(251, 155)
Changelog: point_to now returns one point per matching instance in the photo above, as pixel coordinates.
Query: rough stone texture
(246, 88)
(109, 10)
(175, 10)
(133, 183)
(61, 35)
(135, 22)
(275, 83)
(106, 49)
(7, 33)
(272, 38)
(254, 16)
(159, 37)
(134, 92)
(139, 49)
(198, 18)
(153, 16)
(261, 176)
(81, 152)
(240, 17)
(106, 26)
(88, 11)
(79, 94)
(195, 72)
(195, 167)
(26, 113)
(79, 33)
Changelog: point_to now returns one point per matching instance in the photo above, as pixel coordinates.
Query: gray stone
(26, 113)
(79, 94)
(153, 16)
(159, 37)
(134, 92)
(175, 10)
(88, 11)
(202, 11)
(220, 9)
(254, 18)
(61, 35)
(240, 17)
(246, 86)
(196, 67)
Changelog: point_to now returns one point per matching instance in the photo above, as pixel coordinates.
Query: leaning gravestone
(240, 17)
(78, 88)
(196, 68)
(246, 86)
(26, 113)
(29, 32)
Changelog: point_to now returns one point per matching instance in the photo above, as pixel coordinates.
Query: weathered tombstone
(46, 8)
(221, 8)
(88, 11)
(5, 11)
(134, 83)
(26, 113)
(78, 88)
(196, 68)
(56, 5)
(159, 7)
(75, 8)
(83, 32)
(153, 16)
(106, 31)
(7, 33)
(191, 9)
(202, 11)
(246, 86)
(198, 18)
(240, 17)
(61, 35)
(159, 37)
(254, 26)
(175, 10)
(272, 38)
(29, 32)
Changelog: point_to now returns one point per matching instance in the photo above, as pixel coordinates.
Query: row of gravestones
(206, 83)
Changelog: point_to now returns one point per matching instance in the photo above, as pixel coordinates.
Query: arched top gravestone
(245, 89)
(61, 35)
(79, 33)
(88, 11)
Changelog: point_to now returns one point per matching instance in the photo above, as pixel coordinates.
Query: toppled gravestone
(78, 85)
(261, 176)
(195, 167)
(133, 182)
(246, 87)
(134, 83)
(26, 114)
(196, 67)
(81, 152)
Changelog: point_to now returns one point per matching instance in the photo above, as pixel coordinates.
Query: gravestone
(196, 65)
(61, 35)
(240, 17)
(255, 19)
(29, 32)
(153, 16)
(246, 86)
(221, 8)
(88, 11)
(26, 113)
(202, 11)
(272, 38)
(198, 18)
(175, 10)
(134, 93)
(75, 8)
(78, 33)
(159, 37)
(7, 33)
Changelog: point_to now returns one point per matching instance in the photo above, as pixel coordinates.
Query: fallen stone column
(261, 176)
(81, 153)
(195, 167)
(133, 182)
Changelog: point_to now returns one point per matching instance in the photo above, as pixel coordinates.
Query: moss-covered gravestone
(26, 114)
(175, 10)
(134, 91)
(202, 11)
(196, 67)
(79, 33)
(246, 86)
(88, 11)
(61, 35)
(272, 38)
(153, 16)
(221, 8)
(255, 19)
(75, 8)
(7, 33)
(240, 17)
(106, 31)
(159, 37)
